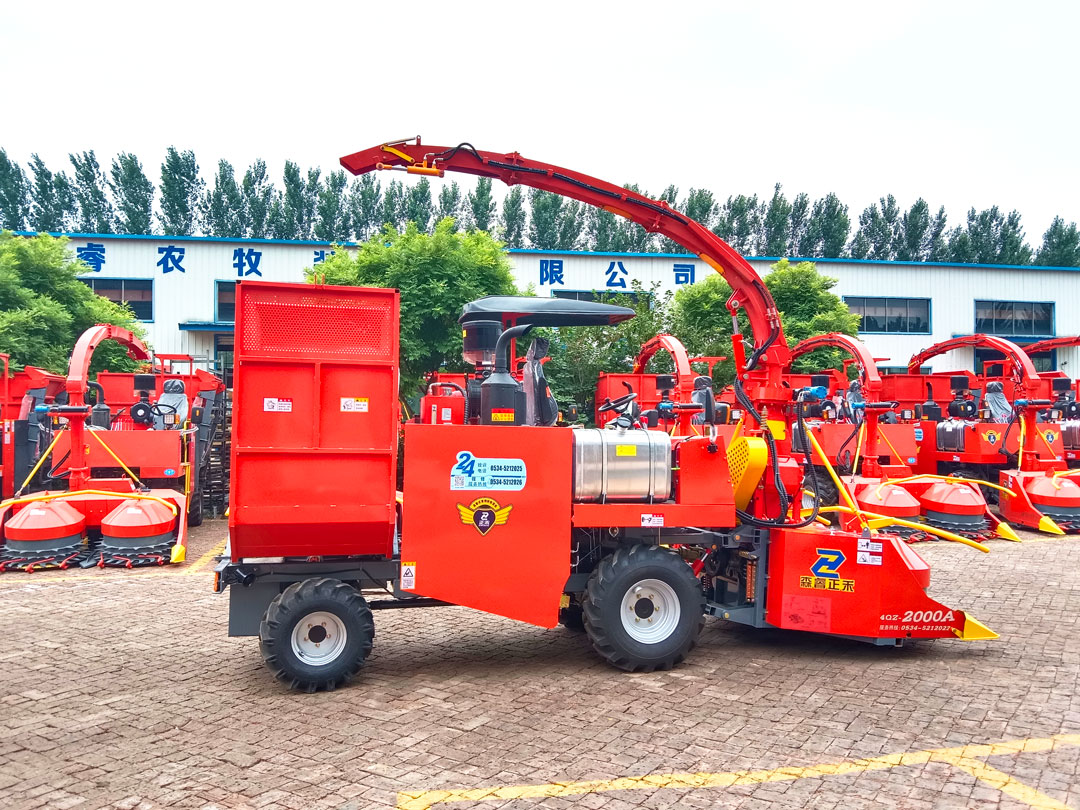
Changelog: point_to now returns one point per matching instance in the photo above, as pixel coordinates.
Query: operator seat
(1000, 409)
(703, 396)
(540, 406)
(172, 402)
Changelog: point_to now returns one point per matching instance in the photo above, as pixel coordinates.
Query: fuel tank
(621, 465)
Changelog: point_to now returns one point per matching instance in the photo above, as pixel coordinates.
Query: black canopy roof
(544, 311)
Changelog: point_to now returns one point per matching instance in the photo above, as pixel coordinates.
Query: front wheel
(316, 634)
(643, 608)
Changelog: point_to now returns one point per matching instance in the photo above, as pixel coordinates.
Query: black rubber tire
(289, 607)
(609, 583)
(572, 617)
(195, 508)
(829, 495)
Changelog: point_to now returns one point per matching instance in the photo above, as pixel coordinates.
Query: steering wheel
(618, 404)
(158, 409)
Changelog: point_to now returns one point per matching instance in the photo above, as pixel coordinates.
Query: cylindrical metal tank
(621, 465)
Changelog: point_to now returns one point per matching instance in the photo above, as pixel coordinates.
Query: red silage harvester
(635, 534)
(869, 450)
(122, 482)
(982, 434)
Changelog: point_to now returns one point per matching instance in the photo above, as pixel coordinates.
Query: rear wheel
(824, 490)
(643, 608)
(316, 634)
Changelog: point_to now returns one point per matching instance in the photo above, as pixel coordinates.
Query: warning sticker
(866, 558)
(278, 404)
(408, 576)
(447, 417)
(869, 545)
(651, 520)
(626, 450)
(502, 414)
(354, 404)
(470, 472)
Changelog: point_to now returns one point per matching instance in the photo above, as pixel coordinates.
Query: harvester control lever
(62, 410)
(1023, 403)
(876, 406)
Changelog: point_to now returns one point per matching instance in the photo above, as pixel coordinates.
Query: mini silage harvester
(636, 533)
(864, 435)
(121, 479)
(982, 434)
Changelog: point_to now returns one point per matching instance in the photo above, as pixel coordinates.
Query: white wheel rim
(650, 611)
(318, 638)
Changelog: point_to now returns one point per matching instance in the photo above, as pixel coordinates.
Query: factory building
(183, 289)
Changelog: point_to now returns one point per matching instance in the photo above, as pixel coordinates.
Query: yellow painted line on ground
(963, 757)
(198, 567)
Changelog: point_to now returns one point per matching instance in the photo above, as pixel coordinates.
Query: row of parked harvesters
(109, 472)
(695, 505)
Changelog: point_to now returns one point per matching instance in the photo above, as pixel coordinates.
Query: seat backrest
(173, 402)
(540, 406)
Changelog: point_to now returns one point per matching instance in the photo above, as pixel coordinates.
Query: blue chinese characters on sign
(247, 262)
(614, 279)
(320, 255)
(171, 259)
(93, 254)
(684, 273)
(551, 271)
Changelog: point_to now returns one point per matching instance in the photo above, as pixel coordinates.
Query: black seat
(703, 395)
(540, 406)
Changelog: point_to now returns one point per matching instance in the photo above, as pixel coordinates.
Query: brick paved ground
(121, 689)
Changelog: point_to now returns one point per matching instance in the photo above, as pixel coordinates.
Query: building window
(991, 362)
(901, 370)
(1014, 318)
(136, 293)
(909, 316)
(601, 296)
(226, 301)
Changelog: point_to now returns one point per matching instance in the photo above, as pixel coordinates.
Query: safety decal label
(354, 404)
(866, 558)
(502, 414)
(626, 449)
(408, 576)
(651, 520)
(447, 416)
(277, 404)
(869, 545)
(470, 472)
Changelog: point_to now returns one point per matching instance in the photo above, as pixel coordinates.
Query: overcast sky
(964, 103)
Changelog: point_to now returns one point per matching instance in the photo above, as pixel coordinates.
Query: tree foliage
(95, 209)
(52, 207)
(1061, 245)
(181, 193)
(223, 206)
(44, 307)
(437, 274)
(14, 194)
(133, 193)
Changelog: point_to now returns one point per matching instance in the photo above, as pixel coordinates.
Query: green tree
(1061, 245)
(52, 206)
(514, 218)
(800, 242)
(670, 195)
(181, 193)
(828, 228)
(393, 206)
(631, 237)
(739, 223)
(332, 213)
(292, 223)
(14, 194)
(776, 224)
(556, 222)
(312, 187)
(990, 237)
(258, 195)
(701, 206)
(937, 246)
(133, 193)
(223, 205)
(418, 206)
(879, 230)
(481, 206)
(913, 237)
(95, 208)
(602, 230)
(450, 204)
(44, 306)
(437, 274)
(365, 200)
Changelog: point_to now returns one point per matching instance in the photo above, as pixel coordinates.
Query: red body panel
(515, 567)
(818, 584)
(149, 453)
(315, 421)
